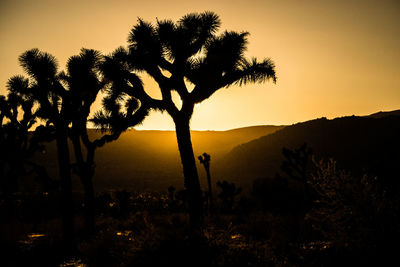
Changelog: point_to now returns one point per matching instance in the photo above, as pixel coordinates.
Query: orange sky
(333, 58)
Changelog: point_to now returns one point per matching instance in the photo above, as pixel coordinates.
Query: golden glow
(126, 234)
(35, 235)
(32, 237)
(333, 58)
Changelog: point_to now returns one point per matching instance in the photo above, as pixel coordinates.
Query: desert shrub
(353, 214)
(288, 191)
(228, 194)
(272, 194)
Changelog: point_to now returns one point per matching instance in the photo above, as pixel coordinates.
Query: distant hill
(149, 160)
(359, 144)
(141, 160)
(382, 114)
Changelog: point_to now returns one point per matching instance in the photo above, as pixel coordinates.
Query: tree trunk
(66, 188)
(190, 174)
(90, 222)
(210, 194)
(89, 205)
(86, 176)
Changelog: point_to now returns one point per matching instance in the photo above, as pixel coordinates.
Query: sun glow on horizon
(333, 58)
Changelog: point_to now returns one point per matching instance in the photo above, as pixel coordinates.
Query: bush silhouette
(228, 193)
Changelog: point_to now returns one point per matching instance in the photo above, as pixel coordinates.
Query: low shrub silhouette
(228, 195)
(289, 191)
(355, 215)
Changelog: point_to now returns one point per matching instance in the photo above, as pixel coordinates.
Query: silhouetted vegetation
(190, 51)
(17, 117)
(318, 193)
(84, 84)
(359, 144)
(351, 221)
(205, 160)
(63, 102)
(228, 193)
(47, 91)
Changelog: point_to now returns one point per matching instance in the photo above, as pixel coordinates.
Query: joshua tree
(205, 160)
(14, 130)
(17, 145)
(47, 91)
(18, 141)
(189, 51)
(84, 83)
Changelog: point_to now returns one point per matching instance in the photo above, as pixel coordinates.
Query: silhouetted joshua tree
(14, 135)
(47, 90)
(187, 57)
(205, 160)
(84, 83)
(17, 145)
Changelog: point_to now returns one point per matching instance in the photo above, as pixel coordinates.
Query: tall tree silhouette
(84, 83)
(176, 54)
(47, 90)
(17, 145)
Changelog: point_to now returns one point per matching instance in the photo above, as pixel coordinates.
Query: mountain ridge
(381, 114)
(149, 159)
(359, 144)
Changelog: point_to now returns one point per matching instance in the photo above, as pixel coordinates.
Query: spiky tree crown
(187, 50)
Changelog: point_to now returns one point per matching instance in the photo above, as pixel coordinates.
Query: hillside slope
(149, 160)
(359, 144)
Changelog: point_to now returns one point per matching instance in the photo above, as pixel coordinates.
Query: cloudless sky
(333, 58)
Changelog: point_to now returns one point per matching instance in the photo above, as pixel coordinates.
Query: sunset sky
(333, 58)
